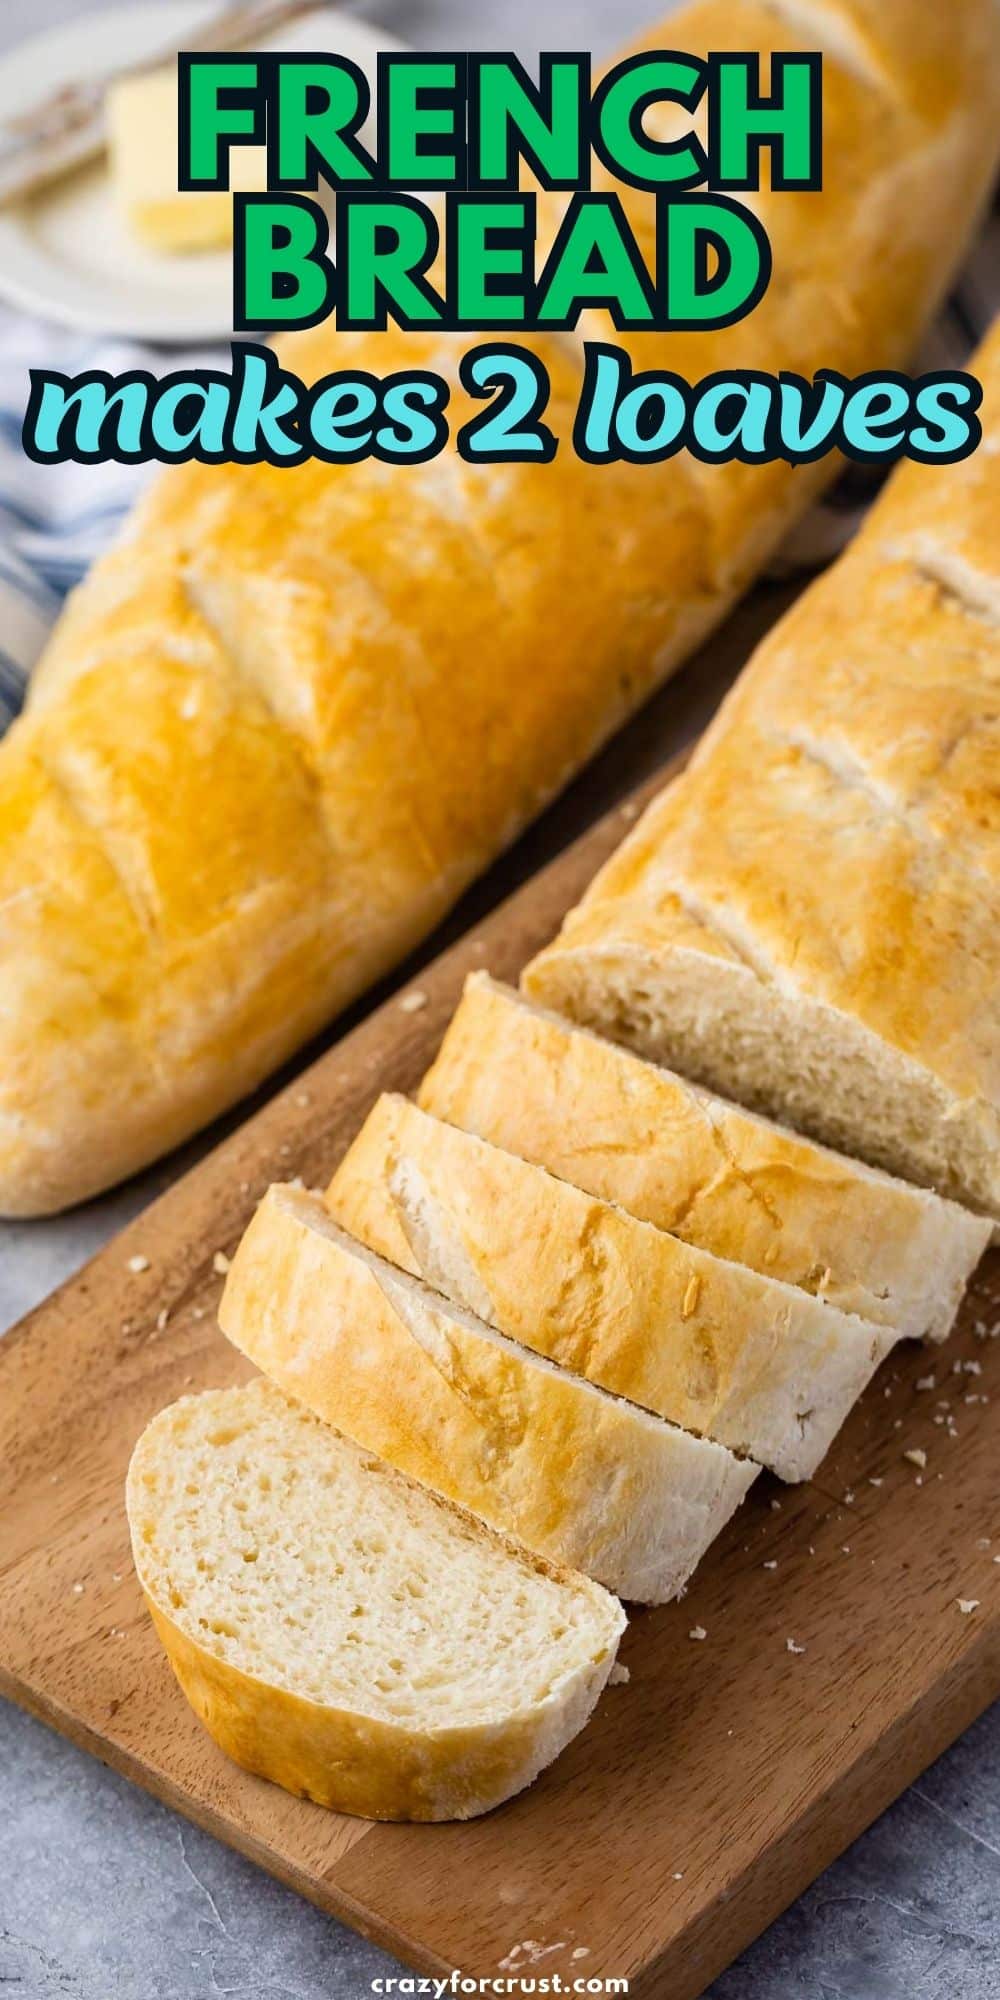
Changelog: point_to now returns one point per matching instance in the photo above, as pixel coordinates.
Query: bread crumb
(630, 810)
(220, 1263)
(697, 1632)
(874, 1482)
(619, 1675)
(848, 1499)
(303, 1097)
(973, 1367)
(776, 1506)
(411, 1003)
(791, 1647)
(138, 1263)
(582, 1951)
(770, 1565)
(691, 1295)
(162, 1317)
(916, 1457)
(967, 1605)
(927, 1382)
(678, 1875)
(78, 1590)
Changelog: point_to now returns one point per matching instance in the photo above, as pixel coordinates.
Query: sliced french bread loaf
(808, 919)
(701, 1167)
(577, 1475)
(297, 708)
(342, 1631)
(754, 1364)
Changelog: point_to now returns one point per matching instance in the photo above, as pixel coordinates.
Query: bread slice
(576, 1474)
(712, 1173)
(342, 1631)
(711, 1345)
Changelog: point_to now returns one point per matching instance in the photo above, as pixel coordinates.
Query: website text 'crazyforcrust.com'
(526, 1982)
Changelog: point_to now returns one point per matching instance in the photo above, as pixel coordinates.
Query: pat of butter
(142, 139)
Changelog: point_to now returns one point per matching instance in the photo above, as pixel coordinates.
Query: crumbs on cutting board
(411, 1003)
(529, 1951)
(220, 1263)
(138, 1263)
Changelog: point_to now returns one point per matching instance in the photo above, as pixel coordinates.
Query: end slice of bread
(701, 1167)
(708, 1344)
(342, 1631)
(576, 1474)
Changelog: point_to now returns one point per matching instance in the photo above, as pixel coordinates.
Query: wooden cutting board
(708, 1791)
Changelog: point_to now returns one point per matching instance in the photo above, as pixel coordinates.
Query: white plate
(66, 253)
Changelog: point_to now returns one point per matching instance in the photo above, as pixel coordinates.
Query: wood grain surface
(708, 1791)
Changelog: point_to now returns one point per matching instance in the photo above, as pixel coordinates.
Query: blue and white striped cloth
(55, 520)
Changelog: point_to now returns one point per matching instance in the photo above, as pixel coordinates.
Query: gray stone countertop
(106, 1895)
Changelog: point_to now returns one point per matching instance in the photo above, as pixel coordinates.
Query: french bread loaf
(807, 920)
(710, 1345)
(295, 710)
(342, 1631)
(700, 1167)
(577, 1475)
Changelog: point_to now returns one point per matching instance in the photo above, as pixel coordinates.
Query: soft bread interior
(789, 1057)
(292, 1555)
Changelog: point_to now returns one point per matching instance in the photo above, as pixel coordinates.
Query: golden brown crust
(579, 1476)
(267, 700)
(739, 1186)
(711, 1345)
(450, 1752)
(835, 842)
(365, 1764)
